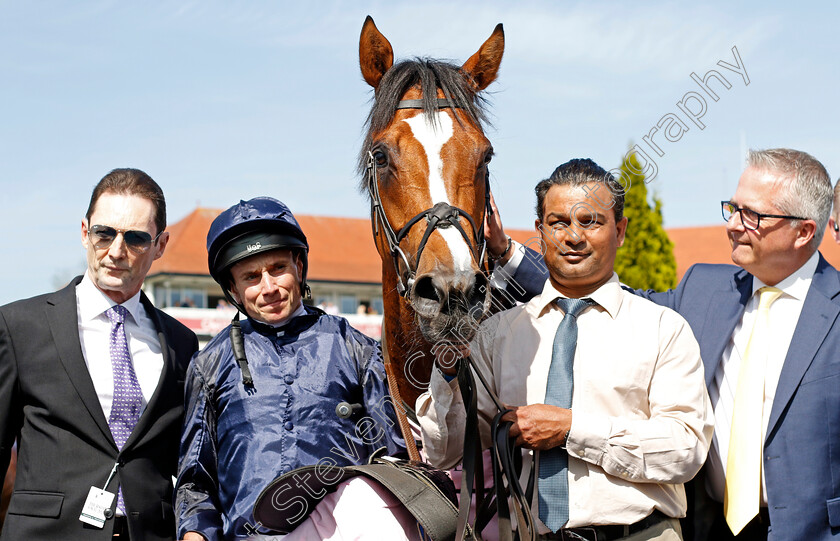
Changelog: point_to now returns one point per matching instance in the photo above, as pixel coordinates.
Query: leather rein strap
(507, 465)
(405, 428)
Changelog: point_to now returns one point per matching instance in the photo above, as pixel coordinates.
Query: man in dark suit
(91, 384)
(775, 222)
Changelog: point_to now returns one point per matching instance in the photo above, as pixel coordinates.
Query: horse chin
(453, 328)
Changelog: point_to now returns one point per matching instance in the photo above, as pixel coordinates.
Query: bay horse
(424, 163)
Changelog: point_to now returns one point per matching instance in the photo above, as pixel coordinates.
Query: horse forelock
(430, 75)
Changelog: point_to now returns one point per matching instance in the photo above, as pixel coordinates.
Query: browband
(442, 103)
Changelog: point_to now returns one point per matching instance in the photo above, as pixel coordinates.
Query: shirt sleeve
(502, 273)
(441, 412)
(671, 444)
(524, 274)
(196, 490)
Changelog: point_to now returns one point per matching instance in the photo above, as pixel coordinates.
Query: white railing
(210, 321)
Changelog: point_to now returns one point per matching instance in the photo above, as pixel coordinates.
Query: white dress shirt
(95, 334)
(499, 280)
(783, 317)
(642, 420)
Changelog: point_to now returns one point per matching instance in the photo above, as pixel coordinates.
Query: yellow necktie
(743, 464)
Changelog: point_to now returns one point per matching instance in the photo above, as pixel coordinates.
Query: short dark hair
(128, 181)
(576, 173)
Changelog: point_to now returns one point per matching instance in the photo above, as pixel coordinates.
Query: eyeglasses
(750, 218)
(138, 242)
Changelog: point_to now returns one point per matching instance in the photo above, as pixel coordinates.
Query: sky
(222, 101)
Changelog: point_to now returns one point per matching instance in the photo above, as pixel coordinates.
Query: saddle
(427, 493)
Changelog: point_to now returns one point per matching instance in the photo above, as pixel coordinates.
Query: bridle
(442, 215)
(505, 462)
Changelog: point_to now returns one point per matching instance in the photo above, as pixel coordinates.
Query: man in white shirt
(636, 422)
(92, 384)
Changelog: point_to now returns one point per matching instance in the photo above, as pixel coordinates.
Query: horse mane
(430, 75)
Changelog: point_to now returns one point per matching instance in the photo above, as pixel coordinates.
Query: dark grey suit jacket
(48, 403)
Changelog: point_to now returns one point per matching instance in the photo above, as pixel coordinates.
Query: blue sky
(219, 101)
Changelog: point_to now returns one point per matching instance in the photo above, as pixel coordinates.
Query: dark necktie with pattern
(128, 399)
(554, 463)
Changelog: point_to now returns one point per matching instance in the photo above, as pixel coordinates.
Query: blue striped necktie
(554, 463)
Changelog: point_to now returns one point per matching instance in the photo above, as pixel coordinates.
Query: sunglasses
(138, 242)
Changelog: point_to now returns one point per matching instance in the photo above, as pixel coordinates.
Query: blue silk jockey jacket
(237, 439)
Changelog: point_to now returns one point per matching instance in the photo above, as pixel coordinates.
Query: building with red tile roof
(345, 269)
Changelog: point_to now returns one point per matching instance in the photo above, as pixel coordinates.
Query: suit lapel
(63, 321)
(725, 311)
(819, 313)
(166, 386)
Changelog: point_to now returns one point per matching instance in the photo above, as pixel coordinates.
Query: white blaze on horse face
(433, 135)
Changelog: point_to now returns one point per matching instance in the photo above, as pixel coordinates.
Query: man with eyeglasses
(769, 335)
(92, 384)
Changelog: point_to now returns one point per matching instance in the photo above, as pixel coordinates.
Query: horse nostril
(425, 288)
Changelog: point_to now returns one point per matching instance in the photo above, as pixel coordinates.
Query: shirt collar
(797, 283)
(608, 297)
(93, 302)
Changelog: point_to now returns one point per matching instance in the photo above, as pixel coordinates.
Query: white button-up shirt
(783, 317)
(95, 335)
(641, 422)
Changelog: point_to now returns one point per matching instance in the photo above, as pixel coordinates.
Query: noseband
(440, 216)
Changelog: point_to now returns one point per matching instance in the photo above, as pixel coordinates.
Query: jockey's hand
(447, 354)
(539, 426)
(193, 536)
(494, 233)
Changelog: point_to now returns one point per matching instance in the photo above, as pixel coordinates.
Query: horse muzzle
(449, 306)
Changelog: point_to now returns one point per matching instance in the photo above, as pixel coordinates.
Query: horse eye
(488, 157)
(380, 158)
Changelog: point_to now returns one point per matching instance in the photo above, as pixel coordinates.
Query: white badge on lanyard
(98, 503)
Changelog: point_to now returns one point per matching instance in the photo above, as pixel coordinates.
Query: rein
(442, 215)
(507, 465)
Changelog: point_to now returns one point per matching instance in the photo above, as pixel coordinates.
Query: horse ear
(375, 53)
(483, 66)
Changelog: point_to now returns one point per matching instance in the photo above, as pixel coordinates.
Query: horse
(425, 169)
(424, 164)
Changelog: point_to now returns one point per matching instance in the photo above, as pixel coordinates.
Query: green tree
(646, 260)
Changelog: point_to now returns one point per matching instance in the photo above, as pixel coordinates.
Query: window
(347, 304)
(185, 297)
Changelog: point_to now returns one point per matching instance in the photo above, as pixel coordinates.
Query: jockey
(261, 397)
